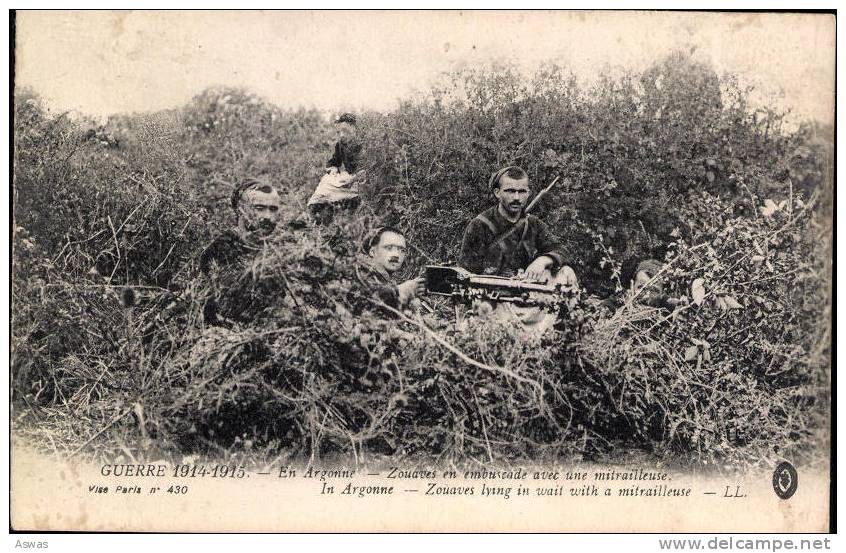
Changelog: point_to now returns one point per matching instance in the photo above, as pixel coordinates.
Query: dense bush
(110, 355)
(627, 151)
(737, 368)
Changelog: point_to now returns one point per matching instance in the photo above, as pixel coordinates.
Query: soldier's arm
(549, 245)
(213, 285)
(410, 289)
(388, 294)
(337, 157)
(208, 295)
(473, 247)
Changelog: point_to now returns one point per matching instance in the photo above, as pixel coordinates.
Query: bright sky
(99, 63)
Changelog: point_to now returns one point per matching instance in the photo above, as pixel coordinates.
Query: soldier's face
(513, 195)
(345, 130)
(259, 212)
(389, 253)
(648, 292)
(641, 279)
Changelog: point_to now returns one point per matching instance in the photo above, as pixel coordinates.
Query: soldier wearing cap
(504, 240)
(382, 256)
(235, 293)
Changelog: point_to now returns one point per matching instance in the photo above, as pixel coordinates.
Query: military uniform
(347, 155)
(380, 286)
(493, 245)
(377, 283)
(236, 291)
(339, 188)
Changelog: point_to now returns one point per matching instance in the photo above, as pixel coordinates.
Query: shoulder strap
(521, 226)
(488, 223)
(497, 241)
(523, 241)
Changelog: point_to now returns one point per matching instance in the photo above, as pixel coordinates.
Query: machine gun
(465, 287)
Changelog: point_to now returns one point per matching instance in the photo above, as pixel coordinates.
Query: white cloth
(535, 319)
(336, 186)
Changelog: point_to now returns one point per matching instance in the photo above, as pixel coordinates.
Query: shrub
(110, 355)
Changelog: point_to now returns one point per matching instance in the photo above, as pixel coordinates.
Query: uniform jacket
(347, 153)
(235, 291)
(495, 246)
(377, 283)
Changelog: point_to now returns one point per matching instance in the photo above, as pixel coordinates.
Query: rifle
(465, 287)
(540, 195)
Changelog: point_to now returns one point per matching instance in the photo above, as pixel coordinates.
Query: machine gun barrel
(466, 287)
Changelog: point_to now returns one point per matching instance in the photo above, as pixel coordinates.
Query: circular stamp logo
(785, 480)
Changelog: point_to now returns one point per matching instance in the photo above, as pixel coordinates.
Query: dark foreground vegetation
(109, 355)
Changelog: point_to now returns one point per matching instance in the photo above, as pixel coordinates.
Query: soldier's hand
(411, 289)
(568, 277)
(420, 289)
(675, 302)
(538, 270)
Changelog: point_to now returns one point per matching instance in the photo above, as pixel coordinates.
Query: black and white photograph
(422, 271)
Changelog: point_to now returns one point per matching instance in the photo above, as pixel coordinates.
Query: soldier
(338, 188)
(650, 281)
(347, 154)
(646, 282)
(382, 255)
(505, 241)
(236, 294)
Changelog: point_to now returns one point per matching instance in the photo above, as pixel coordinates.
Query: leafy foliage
(111, 357)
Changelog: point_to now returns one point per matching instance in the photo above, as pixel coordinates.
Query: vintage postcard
(422, 271)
